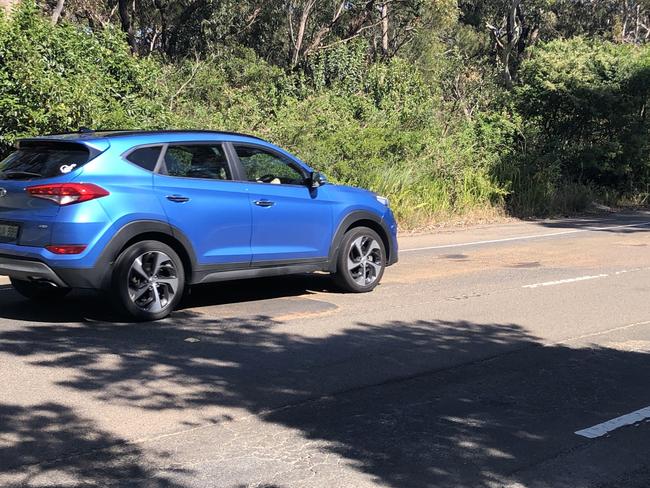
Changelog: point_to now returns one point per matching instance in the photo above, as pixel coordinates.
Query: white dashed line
(623, 271)
(569, 280)
(585, 278)
(611, 425)
(524, 238)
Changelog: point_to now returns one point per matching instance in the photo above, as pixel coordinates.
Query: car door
(291, 221)
(201, 199)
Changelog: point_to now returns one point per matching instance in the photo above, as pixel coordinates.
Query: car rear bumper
(29, 270)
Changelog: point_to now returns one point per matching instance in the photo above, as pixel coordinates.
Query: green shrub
(383, 126)
(583, 104)
(57, 78)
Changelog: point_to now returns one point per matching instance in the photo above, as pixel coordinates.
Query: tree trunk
(384, 29)
(127, 25)
(300, 36)
(56, 13)
(513, 36)
(162, 9)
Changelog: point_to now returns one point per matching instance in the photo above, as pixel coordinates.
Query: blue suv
(142, 215)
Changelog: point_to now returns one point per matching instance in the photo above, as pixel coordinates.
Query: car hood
(353, 190)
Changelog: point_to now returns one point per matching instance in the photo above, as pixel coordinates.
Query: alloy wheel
(152, 281)
(365, 260)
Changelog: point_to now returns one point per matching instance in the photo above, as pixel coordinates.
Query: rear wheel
(361, 260)
(148, 280)
(40, 292)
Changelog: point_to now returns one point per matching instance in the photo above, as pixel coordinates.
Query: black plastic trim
(256, 272)
(223, 272)
(288, 262)
(351, 219)
(99, 276)
(29, 270)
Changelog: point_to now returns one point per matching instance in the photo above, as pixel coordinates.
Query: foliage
(407, 98)
(584, 104)
(56, 78)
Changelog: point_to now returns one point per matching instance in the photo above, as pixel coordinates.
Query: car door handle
(177, 198)
(264, 203)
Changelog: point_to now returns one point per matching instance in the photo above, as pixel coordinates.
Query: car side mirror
(317, 179)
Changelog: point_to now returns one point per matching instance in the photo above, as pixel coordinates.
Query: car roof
(151, 136)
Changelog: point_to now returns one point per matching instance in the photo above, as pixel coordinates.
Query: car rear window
(43, 160)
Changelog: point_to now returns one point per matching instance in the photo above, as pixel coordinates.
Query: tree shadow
(50, 445)
(604, 223)
(425, 421)
(484, 424)
(241, 362)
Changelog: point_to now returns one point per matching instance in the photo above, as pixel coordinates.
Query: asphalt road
(474, 365)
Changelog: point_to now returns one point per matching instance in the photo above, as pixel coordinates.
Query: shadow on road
(50, 445)
(638, 222)
(424, 424)
(90, 307)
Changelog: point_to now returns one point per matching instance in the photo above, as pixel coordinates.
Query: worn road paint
(524, 238)
(584, 278)
(604, 332)
(568, 280)
(611, 425)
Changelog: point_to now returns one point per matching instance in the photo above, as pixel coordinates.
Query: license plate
(8, 232)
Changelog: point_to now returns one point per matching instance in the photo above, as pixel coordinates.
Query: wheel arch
(138, 231)
(171, 241)
(355, 219)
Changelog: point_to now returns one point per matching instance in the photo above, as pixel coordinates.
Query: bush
(57, 78)
(390, 133)
(382, 126)
(583, 104)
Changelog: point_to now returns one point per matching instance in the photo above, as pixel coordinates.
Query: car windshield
(43, 161)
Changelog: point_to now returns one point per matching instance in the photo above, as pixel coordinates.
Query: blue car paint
(221, 221)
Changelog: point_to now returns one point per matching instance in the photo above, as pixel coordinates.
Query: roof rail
(131, 132)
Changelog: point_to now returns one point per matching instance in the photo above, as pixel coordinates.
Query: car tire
(361, 261)
(38, 292)
(148, 280)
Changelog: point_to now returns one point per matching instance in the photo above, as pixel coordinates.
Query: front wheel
(39, 292)
(148, 280)
(361, 260)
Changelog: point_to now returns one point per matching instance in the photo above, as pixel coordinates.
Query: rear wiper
(15, 175)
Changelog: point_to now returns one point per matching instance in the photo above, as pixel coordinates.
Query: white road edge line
(568, 280)
(611, 425)
(524, 238)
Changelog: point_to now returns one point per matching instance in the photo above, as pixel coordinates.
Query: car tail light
(67, 193)
(75, 249)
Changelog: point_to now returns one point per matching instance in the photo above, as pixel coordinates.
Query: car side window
(145, 157)
(263, 166)
(197, 161)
